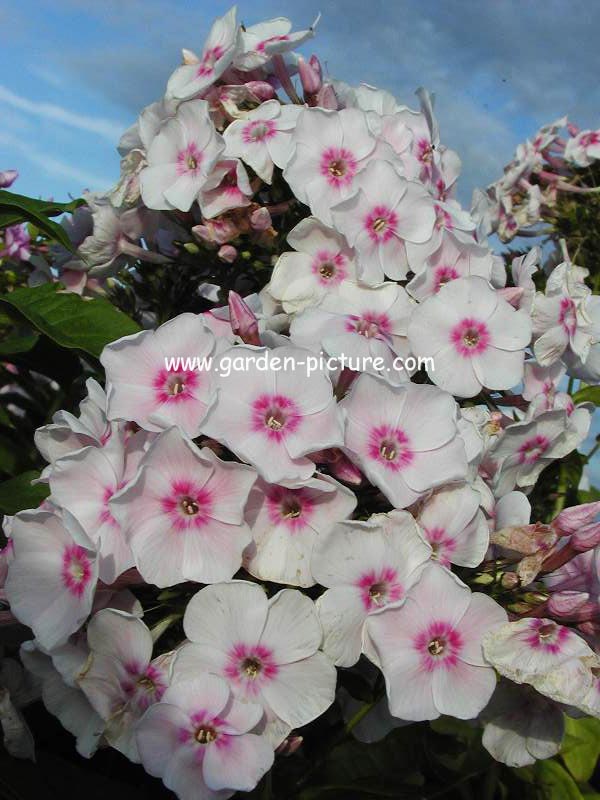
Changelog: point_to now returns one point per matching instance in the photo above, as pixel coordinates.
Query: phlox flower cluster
(217, 547)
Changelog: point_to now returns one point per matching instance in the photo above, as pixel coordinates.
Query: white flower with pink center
(454, 526)
(266, 649)
(142, 389)
(120, 679)
(180, 158)
(583, 149)
(560, 325)
(453, 259)
(182, 515)
(451, 222)
(363, 324)
(367, 566)
(542, 382)
(67, 433)
(270, 413)
(222, 44)
(525, 448)
(227, 187)
(330, 149)
(474, 337)
(531, 649)
(429, 649)
(199, 739)
(286, 522)
(263, 138)
(386, 212)
(52, 576)
(321, 264)
(85, 481)
(262, 41)
(386, 437)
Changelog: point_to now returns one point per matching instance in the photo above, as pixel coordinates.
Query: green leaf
(589, 394)
(551, 779)
(18, 493)
(70, 320)
(581, 747)
(16, 208)
(22, 343)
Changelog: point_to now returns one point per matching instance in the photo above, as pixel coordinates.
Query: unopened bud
(289, 746)
(310, 77)
(327, 98)
(573, 519)
(509, 580)
(8, 177)
(260, 219)
(242, 320)
(565, 604)
(586, 538)
(261, 90)
(227, 253)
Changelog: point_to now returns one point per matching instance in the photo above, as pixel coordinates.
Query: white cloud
(105, 128)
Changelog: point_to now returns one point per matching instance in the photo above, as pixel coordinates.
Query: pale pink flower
(259, 43)
(322, 262)
(263, 138)
(273, 417)
(330, 150)
(227, 187)
(560, 325)
(220, 48)
(183, 513)
(521, 726)
(582, 150)
(287, 523)
(386, 437)
(84, 482)
(363, 324)
(120, 678)
(181, 158)
(538, 380)
(52, 578)
(17, 243)
(199, 740)
(522, 269)
(140, 386)
(474, 337)
(267, 650)
(386, 212)
(64, 699)
(429, 649)
(453, 259)
(367, 566)
(453, 524)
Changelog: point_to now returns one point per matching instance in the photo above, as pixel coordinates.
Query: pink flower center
(371, 325)
(258, 130)
(106, 514)
(143, 687)
(390, 447)
(425, 151)
(208, 61)
(533, 449)
(275, 415)
(444, 275)
(189, 159)
(568, 315)
(188, 506)
(442, 546)
(338, 166)
(290, 507)
(443, 220)
(329, 267)
(175, 387)
(381, 223)
(439, 646)
(204, 729)
(547, 636)
(470, 337)
(589, 139)
(76, 570)
(378, 588)
(250, 666)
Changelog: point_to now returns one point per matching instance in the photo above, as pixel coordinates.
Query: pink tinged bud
(327, 98)
(260, 220)
(509, 580)
(573, 519)
(8, 177)
(565, 604)
(586, 538)
(283, 76)
(242, 320)
(261, 90)
(512, 294)
(289, 746)
(310, 78)
(316, 65)
(227, 253)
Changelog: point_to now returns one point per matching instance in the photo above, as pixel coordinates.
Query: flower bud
(564, 604)
(327, 98)
(509, 580)
(573, 519)
(310, 76)
(227, 253)
(242, 320)
(289, 746)
(586, 538)
(261, 90)
(260, 219)
(8, 177)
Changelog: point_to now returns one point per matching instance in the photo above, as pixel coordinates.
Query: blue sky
(74, 73)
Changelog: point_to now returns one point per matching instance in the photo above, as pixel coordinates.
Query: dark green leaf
(18, 493)
(16, 208)
(70, 320)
